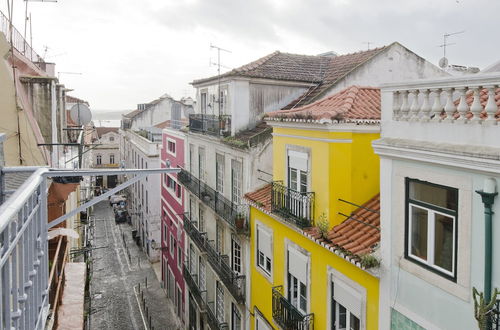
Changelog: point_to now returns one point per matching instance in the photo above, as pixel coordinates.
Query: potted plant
(240, 221)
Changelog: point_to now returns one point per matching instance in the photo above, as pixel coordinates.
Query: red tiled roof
(103, 130)
(261, 197)
(72, 99)
(167, 123)
(358, 234)
(322, 72)
(352, 103)
(131, 114)
(483, 96)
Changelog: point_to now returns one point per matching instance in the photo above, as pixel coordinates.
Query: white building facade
(439, 151)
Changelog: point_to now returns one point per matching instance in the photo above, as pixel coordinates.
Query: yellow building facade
(324, 172)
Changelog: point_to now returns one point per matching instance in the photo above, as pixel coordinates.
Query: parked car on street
(121, 216)
(117, 199)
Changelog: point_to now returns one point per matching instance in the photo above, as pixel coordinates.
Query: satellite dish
(443, 62)
(80, 114)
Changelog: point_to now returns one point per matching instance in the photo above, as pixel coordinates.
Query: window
(236, 178)
(192, 211)
(264, 249)
(201, 163)
(111, 139)
(201, 272)
(112, 158)
(98, 160)
(222, 101)
(236, 256)
(203, 102)
(165, 234)
(179, 302)
(345, 307)
(297, 170)
(192, 259)
(201, 219)
(261, 323)
(191, 158)
(173, 245)
(431, 226)
(171, 146)
(219, 305)
(235, 318)
(219, 173)
(297, 279)
(179, 257)
(219, 238)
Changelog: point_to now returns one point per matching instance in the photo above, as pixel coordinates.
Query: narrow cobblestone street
(118, 285)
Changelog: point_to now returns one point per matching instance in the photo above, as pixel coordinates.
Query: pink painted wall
(172, 210)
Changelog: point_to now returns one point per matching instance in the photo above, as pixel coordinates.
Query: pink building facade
(172, 232)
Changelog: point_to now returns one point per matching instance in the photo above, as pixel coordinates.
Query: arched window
(112, 158)
(98, 159)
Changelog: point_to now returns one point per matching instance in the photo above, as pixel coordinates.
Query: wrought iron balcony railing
(192, 283)
(288, 316)
(294, 206)
(210, 124)
(234, 215)
(234, 282)
(213, 322)
(200, 239)
(495, 318)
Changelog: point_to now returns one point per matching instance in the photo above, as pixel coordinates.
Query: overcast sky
(133, 51)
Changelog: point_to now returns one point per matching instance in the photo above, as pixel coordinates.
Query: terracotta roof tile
(358, 234)
(351, 104)
(103, 130)
(321, 71)
(132, 114)
(72, 99)
(261, 197)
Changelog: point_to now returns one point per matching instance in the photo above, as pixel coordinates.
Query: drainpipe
(53, 116)
(488, 195)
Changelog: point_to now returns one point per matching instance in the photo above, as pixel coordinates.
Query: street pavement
(118, 282)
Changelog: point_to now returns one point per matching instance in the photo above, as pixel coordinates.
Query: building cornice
(327, 127)
(476, 158)
(312, 138)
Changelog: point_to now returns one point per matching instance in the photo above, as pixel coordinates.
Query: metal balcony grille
(294, 206)
(288, 316)
(234, 282)
(495, 318)
(212, 319)
(234, 215)
(210, 124)
(198, 238)
(191, 281)
(23, 257)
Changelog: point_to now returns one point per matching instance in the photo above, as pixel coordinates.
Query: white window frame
(236, 259)
(112, 158)
(236, 181)
(219, 302)
(262, 268)
(431, 221)
(171, 246)
(305, 255)
(334, 276)
(260, 321)
(202, 274)
(179, 257)
(220, 170)
(174, 153)
(202, 163)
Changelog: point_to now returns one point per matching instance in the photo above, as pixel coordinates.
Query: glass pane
(354, 323)
(434, 195)
(303, 297)
(303, 181)
(342, 317)
(293, 178)
(443, 242)
(419, 232)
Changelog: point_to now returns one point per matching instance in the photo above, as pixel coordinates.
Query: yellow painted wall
(321, 258)
(348, 171)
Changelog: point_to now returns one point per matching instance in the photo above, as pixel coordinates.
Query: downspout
(53, 121)
(488, 195)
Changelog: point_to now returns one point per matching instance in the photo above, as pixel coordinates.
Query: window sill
(266, 275)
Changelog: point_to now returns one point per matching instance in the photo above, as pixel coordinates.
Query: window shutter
(297, 264)
(348, 297)
(264, 242)
(297, 160)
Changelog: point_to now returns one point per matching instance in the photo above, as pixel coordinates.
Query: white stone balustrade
(448, 100)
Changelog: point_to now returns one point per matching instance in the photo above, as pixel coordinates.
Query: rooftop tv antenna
(368, 43)
(219, 49)
(443, 62)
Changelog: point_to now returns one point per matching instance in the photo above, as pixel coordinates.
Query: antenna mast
(445, 39)
(219, 49)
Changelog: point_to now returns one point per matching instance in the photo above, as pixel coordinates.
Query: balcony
(234, 282)
(212, 318)
(293, 206)
(210, 124)
(192, 283)
(233, 214)
(287, 316)
(200, 239)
